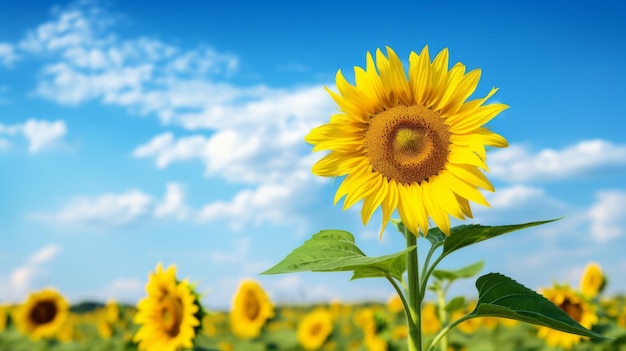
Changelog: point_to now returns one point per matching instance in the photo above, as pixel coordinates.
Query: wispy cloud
(106, 210)
(518, 164)
(40, 134)
(21, 278)
(7, 54)
(608, 215)
(273, 204)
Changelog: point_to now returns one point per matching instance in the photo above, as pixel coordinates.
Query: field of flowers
(46, 322)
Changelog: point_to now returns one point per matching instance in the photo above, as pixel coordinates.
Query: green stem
(426, 276)
(441, 301)
(424, 269)
(415, 295)
(403, 299)
(444, 331)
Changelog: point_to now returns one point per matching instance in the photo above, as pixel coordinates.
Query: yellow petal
(419, 75)
(371, 203)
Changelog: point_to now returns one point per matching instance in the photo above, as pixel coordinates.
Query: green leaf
(465, 272)
(455, 304)
(500, 296)
(435, 236)
(466, 235)
(335, 251)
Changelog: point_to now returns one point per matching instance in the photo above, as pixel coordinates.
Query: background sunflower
(576, 307)
(251, 308)
(314, 329)
(43, 313)
(168, 314)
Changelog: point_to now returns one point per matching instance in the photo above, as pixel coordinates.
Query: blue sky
(133, 133)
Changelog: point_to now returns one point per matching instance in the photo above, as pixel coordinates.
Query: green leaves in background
(465, 272)
(500, 296)
(335, 251)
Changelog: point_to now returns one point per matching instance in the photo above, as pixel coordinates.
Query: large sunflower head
(169, 315)
(250, 310)
(409, 143)
(314, 329)
(42, 314)
(576, 307)
(592, 281)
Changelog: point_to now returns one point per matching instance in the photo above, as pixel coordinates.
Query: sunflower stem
(441, 300)
(415, 295)
(444, 331)
(405, 305)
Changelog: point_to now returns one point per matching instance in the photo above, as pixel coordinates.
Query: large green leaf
(335, 251)
(465, 235)
(465, 272)
(500, 296)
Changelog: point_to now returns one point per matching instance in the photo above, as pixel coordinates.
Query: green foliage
(466, 235)
(465, 272)
(500, 296)
(336, 251)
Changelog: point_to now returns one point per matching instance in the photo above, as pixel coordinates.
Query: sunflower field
(171, 318)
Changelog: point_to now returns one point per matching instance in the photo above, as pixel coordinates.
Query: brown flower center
(252, 307)
(316, 328)
(407, 144)
(43, 312)
(574, 310)
(172, 315)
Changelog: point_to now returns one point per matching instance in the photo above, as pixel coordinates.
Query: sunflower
(42, 314)
(413, 144)
(250, 310)
(394, 304)
(4, 315)
(314, 329)
(430, 320)
(576, 307)
(592, 281)
(169, 315)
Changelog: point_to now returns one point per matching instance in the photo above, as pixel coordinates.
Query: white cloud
(145, 75)
(174, 203)
(271, 203)
(608, 215)
(4, 144)
(513, 196)
(275, 204)
(517, 164)
(264, 138)
(7, 54)
(44, 255)
(40, 134)
(107, 210)
(20, 280)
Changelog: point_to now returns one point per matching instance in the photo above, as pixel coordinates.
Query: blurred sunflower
(411, 144)
(4, 316)
(430, 320)
(394, 304)
(43, 313)
(576, 307)
(314, 329)
(251, 308)
(592, 281)
(169, 315)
